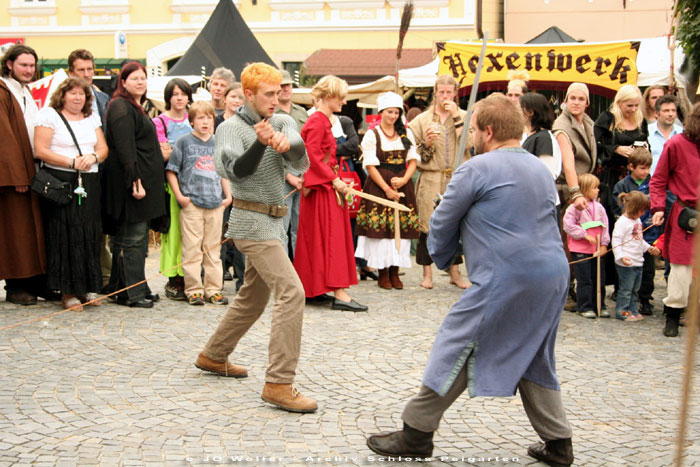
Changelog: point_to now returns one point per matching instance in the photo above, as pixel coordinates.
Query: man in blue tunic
(500, 335)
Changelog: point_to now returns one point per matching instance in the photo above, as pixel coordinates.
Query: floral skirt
(377, 221)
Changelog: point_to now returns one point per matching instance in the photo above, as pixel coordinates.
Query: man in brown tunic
(437, 132)
(23, 256)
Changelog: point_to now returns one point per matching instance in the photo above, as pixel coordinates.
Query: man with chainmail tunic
(251, 150)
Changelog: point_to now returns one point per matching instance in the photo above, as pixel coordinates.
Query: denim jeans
(585, 273)
(629, 279)
(129, 248)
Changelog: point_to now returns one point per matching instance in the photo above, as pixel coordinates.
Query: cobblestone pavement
(117, 386)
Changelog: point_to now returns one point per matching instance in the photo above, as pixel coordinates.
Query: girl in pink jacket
(583, 229)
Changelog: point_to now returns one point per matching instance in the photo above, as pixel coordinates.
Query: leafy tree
(689, 29)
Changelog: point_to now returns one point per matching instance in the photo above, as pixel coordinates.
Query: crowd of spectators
(128, 173)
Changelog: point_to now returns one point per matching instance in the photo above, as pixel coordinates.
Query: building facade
(159, 31)
(588, 20)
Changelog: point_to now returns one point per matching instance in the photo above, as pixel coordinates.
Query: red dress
(324, 256)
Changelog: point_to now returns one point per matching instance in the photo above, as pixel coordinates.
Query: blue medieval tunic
(502, 206)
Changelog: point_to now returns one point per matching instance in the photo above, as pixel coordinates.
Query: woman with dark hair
(73, 231)
(133, 185)
(538, 129)
(390, 157)
(170, 125)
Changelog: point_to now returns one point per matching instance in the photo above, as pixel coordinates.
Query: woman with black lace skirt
(74, 230)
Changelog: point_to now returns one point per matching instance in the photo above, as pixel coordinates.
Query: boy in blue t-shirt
(202, 196)
(638, 180)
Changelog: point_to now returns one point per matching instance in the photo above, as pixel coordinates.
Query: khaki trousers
(201, 231)
(267, 270)
(543, 407)
(678, 288)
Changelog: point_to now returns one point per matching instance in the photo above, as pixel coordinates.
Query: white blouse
(369, 147)
(62, 142)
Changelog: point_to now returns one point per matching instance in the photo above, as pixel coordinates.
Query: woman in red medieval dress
(324, 257)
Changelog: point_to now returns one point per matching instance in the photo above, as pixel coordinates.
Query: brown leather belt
(270, 210)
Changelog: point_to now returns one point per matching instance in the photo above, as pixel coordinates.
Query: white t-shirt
(369, 147)
(62, 142)
(628, 241)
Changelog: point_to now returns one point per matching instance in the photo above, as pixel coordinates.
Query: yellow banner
(607, 65)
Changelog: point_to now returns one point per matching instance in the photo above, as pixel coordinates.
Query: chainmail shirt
(267, 184)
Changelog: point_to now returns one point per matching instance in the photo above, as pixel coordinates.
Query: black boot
(407, 443)
(673, 316)
(558, 452)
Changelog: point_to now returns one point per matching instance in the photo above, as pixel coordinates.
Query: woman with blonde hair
(324, 256)
(517, 85)
(617, 132)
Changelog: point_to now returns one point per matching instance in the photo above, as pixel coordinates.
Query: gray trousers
(291, 220)
(543, 407)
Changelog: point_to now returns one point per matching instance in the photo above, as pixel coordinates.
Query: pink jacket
(591, 221)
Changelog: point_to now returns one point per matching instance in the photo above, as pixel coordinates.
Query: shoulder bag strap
(70, 130)
(165, 127)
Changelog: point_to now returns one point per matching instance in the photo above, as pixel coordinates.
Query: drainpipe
(479, 31)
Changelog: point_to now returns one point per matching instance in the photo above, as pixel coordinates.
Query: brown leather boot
(286, 397)
(394, 277)
(384, 282)
(225, 368)
(558, 452)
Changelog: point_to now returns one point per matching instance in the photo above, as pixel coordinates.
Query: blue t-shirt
(193, 162)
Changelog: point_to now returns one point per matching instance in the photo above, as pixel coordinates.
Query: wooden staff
(470, 107)
(690, 343)
(599, 299)
(378, 200)
(397, 227)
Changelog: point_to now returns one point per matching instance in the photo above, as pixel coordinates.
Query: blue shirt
(193, 162)
(657, 141)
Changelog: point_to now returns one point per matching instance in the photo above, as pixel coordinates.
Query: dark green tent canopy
(552, 35)
(224, 41)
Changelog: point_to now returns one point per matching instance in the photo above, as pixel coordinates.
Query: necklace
(385, 134)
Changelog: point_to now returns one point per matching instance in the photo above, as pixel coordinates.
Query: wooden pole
(470, 107)
(397, 228)
(690, 344)
(377, 199)
(599, 300)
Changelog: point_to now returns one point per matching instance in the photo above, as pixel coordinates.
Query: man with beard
(437, 132)
(23, 261)
(252, 149)
(496, 339)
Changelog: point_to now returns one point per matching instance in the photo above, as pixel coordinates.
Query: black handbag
(688, 219)
(52, 189)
